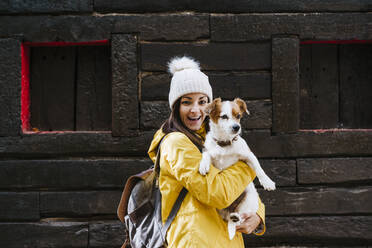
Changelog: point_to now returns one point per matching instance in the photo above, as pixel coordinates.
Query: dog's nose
(236, 128)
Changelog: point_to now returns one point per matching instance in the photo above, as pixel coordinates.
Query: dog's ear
(242, 105)
(210, 107)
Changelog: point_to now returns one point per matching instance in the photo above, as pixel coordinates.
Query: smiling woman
(192, 110)
(181, 138)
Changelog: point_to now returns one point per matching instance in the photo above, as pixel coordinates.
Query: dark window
(336, 86)
(70, 88)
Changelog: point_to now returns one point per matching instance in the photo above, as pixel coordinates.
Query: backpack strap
(173, 212)
(157, 161)
(178, 202)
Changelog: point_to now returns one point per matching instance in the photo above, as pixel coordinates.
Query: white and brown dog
(223, 147)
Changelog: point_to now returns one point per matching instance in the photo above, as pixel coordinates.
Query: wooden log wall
(61, 189)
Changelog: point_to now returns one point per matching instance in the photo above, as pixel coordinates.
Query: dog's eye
(225, 117)
(238, 116)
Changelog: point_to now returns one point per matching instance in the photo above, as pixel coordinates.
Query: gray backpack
(140, 210)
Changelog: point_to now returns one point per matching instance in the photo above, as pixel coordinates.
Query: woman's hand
(249, 224)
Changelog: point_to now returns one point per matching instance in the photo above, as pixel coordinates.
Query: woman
(197, 223)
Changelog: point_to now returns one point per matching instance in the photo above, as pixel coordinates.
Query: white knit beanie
(187, 78)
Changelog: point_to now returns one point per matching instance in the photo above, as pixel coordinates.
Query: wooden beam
(10, 87)
(125, 113)
(285, 84)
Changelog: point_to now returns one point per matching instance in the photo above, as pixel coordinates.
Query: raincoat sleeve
(261, 229)
(218, 188)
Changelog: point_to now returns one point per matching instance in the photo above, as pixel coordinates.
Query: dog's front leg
(264, 180)
(205, 163)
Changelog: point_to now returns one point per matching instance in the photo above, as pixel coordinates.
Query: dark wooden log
(309, 144)
(125, 114)
(356, 85)
(242, 6)
(93, 96)
(334, 170)
(154, 113)
(52, 88)
(319, 86)
(10, 84)
(100, 27)
(70, 204)
(44, 235)
(312, 26)
(107, 234)
(315, 231)
(102, 174)
(212, 56)
(311, 200)
(45, 6)
(248, 86)
(19, 206)
(140, 6)
(283, 245)
(184, 26)
(285, 84)
(225, 6)
(262, 142)
(69, 174)
(155, 87)
(260, 115)
(75, 143)
(288, 231)
(281, 231)
(282, 172)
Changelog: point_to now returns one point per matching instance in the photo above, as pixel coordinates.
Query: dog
(223, 147)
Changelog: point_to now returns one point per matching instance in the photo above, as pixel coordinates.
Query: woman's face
(192, 110)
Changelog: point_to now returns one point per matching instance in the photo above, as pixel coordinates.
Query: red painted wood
(63, 43)
(25, 91)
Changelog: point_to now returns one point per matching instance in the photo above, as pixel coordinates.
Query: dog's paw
(268, 184)
(204, 168)
(235, 217)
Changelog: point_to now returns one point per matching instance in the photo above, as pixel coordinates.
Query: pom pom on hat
(182, 63)
(187, 78)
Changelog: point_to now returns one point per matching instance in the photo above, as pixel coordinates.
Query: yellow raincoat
(198, 223)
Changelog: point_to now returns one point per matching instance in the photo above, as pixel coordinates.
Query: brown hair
(175, 124)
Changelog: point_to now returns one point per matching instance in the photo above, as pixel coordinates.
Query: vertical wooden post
(285, 84)
(10, 87)
(125, 113)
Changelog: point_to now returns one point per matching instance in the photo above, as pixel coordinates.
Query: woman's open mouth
(193, 122)
(194, 118)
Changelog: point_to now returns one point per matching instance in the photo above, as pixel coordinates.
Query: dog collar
(224, 143)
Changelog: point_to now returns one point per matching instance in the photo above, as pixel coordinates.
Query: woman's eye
(185, 102)
(202, 102)
(225, 117)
